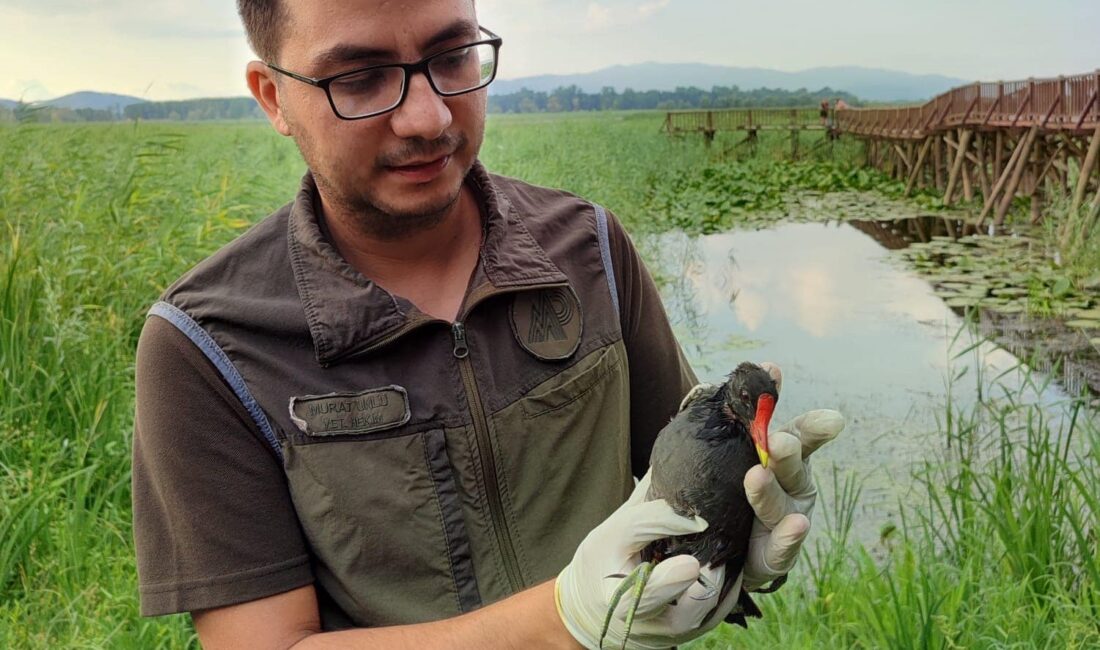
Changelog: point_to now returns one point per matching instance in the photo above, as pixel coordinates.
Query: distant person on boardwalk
(824, 113)
(407, 409)
(840, 104)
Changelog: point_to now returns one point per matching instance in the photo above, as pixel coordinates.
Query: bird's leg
(636, 581)
(644, 570)
(709, 585)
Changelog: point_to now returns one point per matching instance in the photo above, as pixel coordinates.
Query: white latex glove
(585, 587)
(783, 494)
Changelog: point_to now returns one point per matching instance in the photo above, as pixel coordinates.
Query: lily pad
(1086, 314)
(1084, 324)
(965, 301)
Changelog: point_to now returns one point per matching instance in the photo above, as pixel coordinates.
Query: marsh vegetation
(1001, 550)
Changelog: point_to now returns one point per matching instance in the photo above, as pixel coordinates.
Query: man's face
(368, 167)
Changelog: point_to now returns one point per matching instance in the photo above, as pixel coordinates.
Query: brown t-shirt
(216, 522)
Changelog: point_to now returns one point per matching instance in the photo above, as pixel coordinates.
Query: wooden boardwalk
(993, 141)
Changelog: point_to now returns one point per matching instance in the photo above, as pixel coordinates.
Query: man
(393, 411)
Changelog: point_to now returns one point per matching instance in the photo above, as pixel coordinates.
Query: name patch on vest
(547, 322)
(338, 414)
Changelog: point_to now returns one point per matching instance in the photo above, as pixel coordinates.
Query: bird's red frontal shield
(765, 406)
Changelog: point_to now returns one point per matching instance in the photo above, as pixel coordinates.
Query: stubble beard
(369, 214)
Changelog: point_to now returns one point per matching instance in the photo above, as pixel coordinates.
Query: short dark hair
(263, 23)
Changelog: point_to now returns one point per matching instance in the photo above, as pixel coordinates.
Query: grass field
(98, 219)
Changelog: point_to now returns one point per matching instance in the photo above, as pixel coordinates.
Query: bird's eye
(745, 396)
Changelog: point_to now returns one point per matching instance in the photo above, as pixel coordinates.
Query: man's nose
(423, 113)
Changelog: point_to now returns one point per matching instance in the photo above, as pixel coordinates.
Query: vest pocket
(558, 392)
(385, 525)
(565, 457)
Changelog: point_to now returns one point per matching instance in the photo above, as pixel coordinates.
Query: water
(852, 329)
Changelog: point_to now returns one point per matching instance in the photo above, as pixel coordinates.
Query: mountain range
(869, 84)
(85, 99)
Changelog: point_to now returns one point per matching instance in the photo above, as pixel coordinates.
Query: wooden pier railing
(742, 119)
(997, 141)
(1069, 104)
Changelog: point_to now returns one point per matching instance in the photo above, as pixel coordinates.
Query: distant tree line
(564, 99)
(192, 110)
(45, 113)
(572, 98)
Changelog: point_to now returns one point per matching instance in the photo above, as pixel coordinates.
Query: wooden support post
(983, 173)
(1021, 165)
(1095, 205)
(904, 158)
(919, 165)
(1058, 161)
(968, 187)
(998, 154)
(937, 160)
(1036, 178)
(960, 158)
(1002, 179)
(1086, 171)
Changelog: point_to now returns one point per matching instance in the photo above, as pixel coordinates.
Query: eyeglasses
(377, 89)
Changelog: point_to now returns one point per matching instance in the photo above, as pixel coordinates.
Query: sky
(157, 49)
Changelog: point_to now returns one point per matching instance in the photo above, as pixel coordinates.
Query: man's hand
(674, 602)
(783, 494)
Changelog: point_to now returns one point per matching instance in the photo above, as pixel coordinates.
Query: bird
(698, 465)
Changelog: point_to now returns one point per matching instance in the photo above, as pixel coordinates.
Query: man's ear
(261, 81)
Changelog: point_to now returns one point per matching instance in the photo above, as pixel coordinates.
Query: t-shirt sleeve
(660, 375)
(213, 520)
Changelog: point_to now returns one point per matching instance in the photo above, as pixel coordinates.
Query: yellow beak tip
(763, 456)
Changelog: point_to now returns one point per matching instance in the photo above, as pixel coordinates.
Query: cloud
(647, 9)
(54, 7)
(146, 19)
(597, 17)
(616, 14)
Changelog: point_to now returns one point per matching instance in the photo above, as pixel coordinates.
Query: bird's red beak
(765, 405)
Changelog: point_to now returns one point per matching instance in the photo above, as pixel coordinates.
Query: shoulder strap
(202, 339)
(605, 255)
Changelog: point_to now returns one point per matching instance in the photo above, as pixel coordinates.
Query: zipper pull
(458, 332)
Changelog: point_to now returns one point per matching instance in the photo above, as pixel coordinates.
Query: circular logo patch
(547, 322)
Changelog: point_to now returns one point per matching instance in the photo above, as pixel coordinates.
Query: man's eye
(363, 82)
(454, 59)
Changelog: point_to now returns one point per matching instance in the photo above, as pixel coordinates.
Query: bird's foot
(635, 582)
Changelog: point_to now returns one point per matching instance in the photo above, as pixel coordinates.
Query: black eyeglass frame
(408, 68)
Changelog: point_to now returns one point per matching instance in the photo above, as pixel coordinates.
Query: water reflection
(896, 234)
(1047, 343)
(852, 331)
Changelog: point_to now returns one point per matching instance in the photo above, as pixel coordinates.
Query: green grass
(97, 219)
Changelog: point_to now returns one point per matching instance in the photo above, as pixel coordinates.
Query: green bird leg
(636, 581)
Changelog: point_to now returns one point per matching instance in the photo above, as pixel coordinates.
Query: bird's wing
(698, 392)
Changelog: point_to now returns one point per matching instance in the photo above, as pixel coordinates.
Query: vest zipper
(485, 457)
